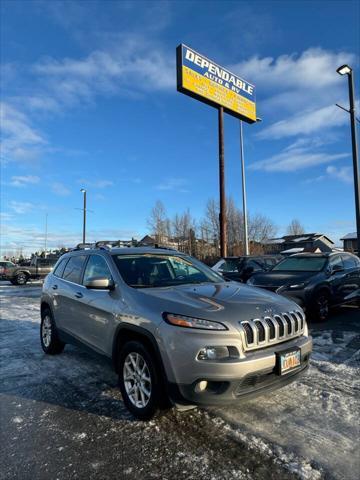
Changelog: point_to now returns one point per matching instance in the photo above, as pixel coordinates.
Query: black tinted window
(95, 268)
(59, 270)
(349, 262)
(73, 269)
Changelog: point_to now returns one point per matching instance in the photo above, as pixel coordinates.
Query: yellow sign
(203, 79)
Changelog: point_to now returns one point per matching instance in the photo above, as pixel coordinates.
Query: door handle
(78, 295)
(55, 287)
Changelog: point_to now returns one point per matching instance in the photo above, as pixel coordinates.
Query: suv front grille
(260, 332)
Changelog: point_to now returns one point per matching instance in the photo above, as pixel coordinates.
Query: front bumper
(224, 393)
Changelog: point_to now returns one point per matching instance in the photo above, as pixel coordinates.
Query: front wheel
(50, 342)
(321, 306)
(140, 381)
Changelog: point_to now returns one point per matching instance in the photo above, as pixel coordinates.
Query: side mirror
(100, 283)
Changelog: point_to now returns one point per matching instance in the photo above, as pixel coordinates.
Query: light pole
(246, 234)
(346, 70)
(84, 215)
(46, 232)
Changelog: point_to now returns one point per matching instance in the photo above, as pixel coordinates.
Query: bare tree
(295, 227)
(158, 223)
(261, 228)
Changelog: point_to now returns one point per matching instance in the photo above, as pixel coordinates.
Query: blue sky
(89, 100)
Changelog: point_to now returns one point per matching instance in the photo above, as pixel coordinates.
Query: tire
(21, 278)
(321, 306)
(49, 339)
(143, 393)
(13, 282)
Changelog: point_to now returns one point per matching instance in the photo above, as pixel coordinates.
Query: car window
(349, 262)
(336, 260)
(256, 267)
(301, 264)
(229, 266)
(96, 267)
(158, 270)
(73, 269)
(59, 270)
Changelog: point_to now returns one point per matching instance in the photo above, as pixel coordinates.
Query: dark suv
(240, 269)
(315, 281)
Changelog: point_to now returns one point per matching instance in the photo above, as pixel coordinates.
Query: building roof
(311, 237)
(350, 236)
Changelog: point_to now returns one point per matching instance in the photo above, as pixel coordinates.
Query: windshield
(152, 270)
(301, 264)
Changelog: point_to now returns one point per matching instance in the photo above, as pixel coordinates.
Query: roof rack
(109, 244)
(83, 246)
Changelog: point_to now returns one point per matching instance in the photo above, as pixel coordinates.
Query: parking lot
(63, 417)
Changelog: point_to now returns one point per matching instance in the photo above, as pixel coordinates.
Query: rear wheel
(321, 306)
(140, 381)
(49, 338)
(21, 278)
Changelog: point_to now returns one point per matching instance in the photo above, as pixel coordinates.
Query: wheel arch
(126, 333)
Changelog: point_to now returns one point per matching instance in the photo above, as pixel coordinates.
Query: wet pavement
(62, 417)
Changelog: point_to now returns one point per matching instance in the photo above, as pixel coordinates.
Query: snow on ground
(310, 427)
(313, 424)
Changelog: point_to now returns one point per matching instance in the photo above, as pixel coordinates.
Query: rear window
(349, 262)
(73, 269)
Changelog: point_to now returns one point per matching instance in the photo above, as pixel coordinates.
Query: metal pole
(355, 156)
(46, 222)
(84, 220)
(246, 235)
(222, 215)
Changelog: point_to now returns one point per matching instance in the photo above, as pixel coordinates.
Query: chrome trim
(276, 320)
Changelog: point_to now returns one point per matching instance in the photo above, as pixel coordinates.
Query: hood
(280, 278)
(222, 302)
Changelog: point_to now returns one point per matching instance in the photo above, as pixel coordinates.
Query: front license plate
(289, 361)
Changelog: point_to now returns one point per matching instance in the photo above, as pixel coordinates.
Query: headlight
(192, 322)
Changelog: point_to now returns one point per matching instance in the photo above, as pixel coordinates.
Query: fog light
(201, 386)
(213, 353)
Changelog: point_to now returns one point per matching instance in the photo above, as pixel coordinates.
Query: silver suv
(176, 331)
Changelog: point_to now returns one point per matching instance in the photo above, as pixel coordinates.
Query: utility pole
(84, 215)
(346, 70)
(46, 232)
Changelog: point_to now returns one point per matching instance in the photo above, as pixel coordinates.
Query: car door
(96, 308)
(337, 278)
(351, 287)
(67, 290)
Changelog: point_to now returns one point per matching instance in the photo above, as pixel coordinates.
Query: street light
(346, 70)
(84, 214)
(246, 235)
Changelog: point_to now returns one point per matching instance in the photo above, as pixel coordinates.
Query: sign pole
(222, 215)
(246, 236)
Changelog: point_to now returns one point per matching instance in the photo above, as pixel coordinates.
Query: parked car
(175, 331)
(4, 267)
(240, 269)
(38, 269)
(315, 281)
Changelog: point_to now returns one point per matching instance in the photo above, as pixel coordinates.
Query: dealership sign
(206, 81)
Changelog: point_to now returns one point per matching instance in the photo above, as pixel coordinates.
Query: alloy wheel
(137, 380)
(46, 331)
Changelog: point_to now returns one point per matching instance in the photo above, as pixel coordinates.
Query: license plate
(289, 361)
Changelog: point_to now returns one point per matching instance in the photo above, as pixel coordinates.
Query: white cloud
(20, 140)
(21, 207)
(343, 174)
(60, 189)
(293, 160)
(308, 122)
(96, 183)
(24, 180)
(177, 184)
